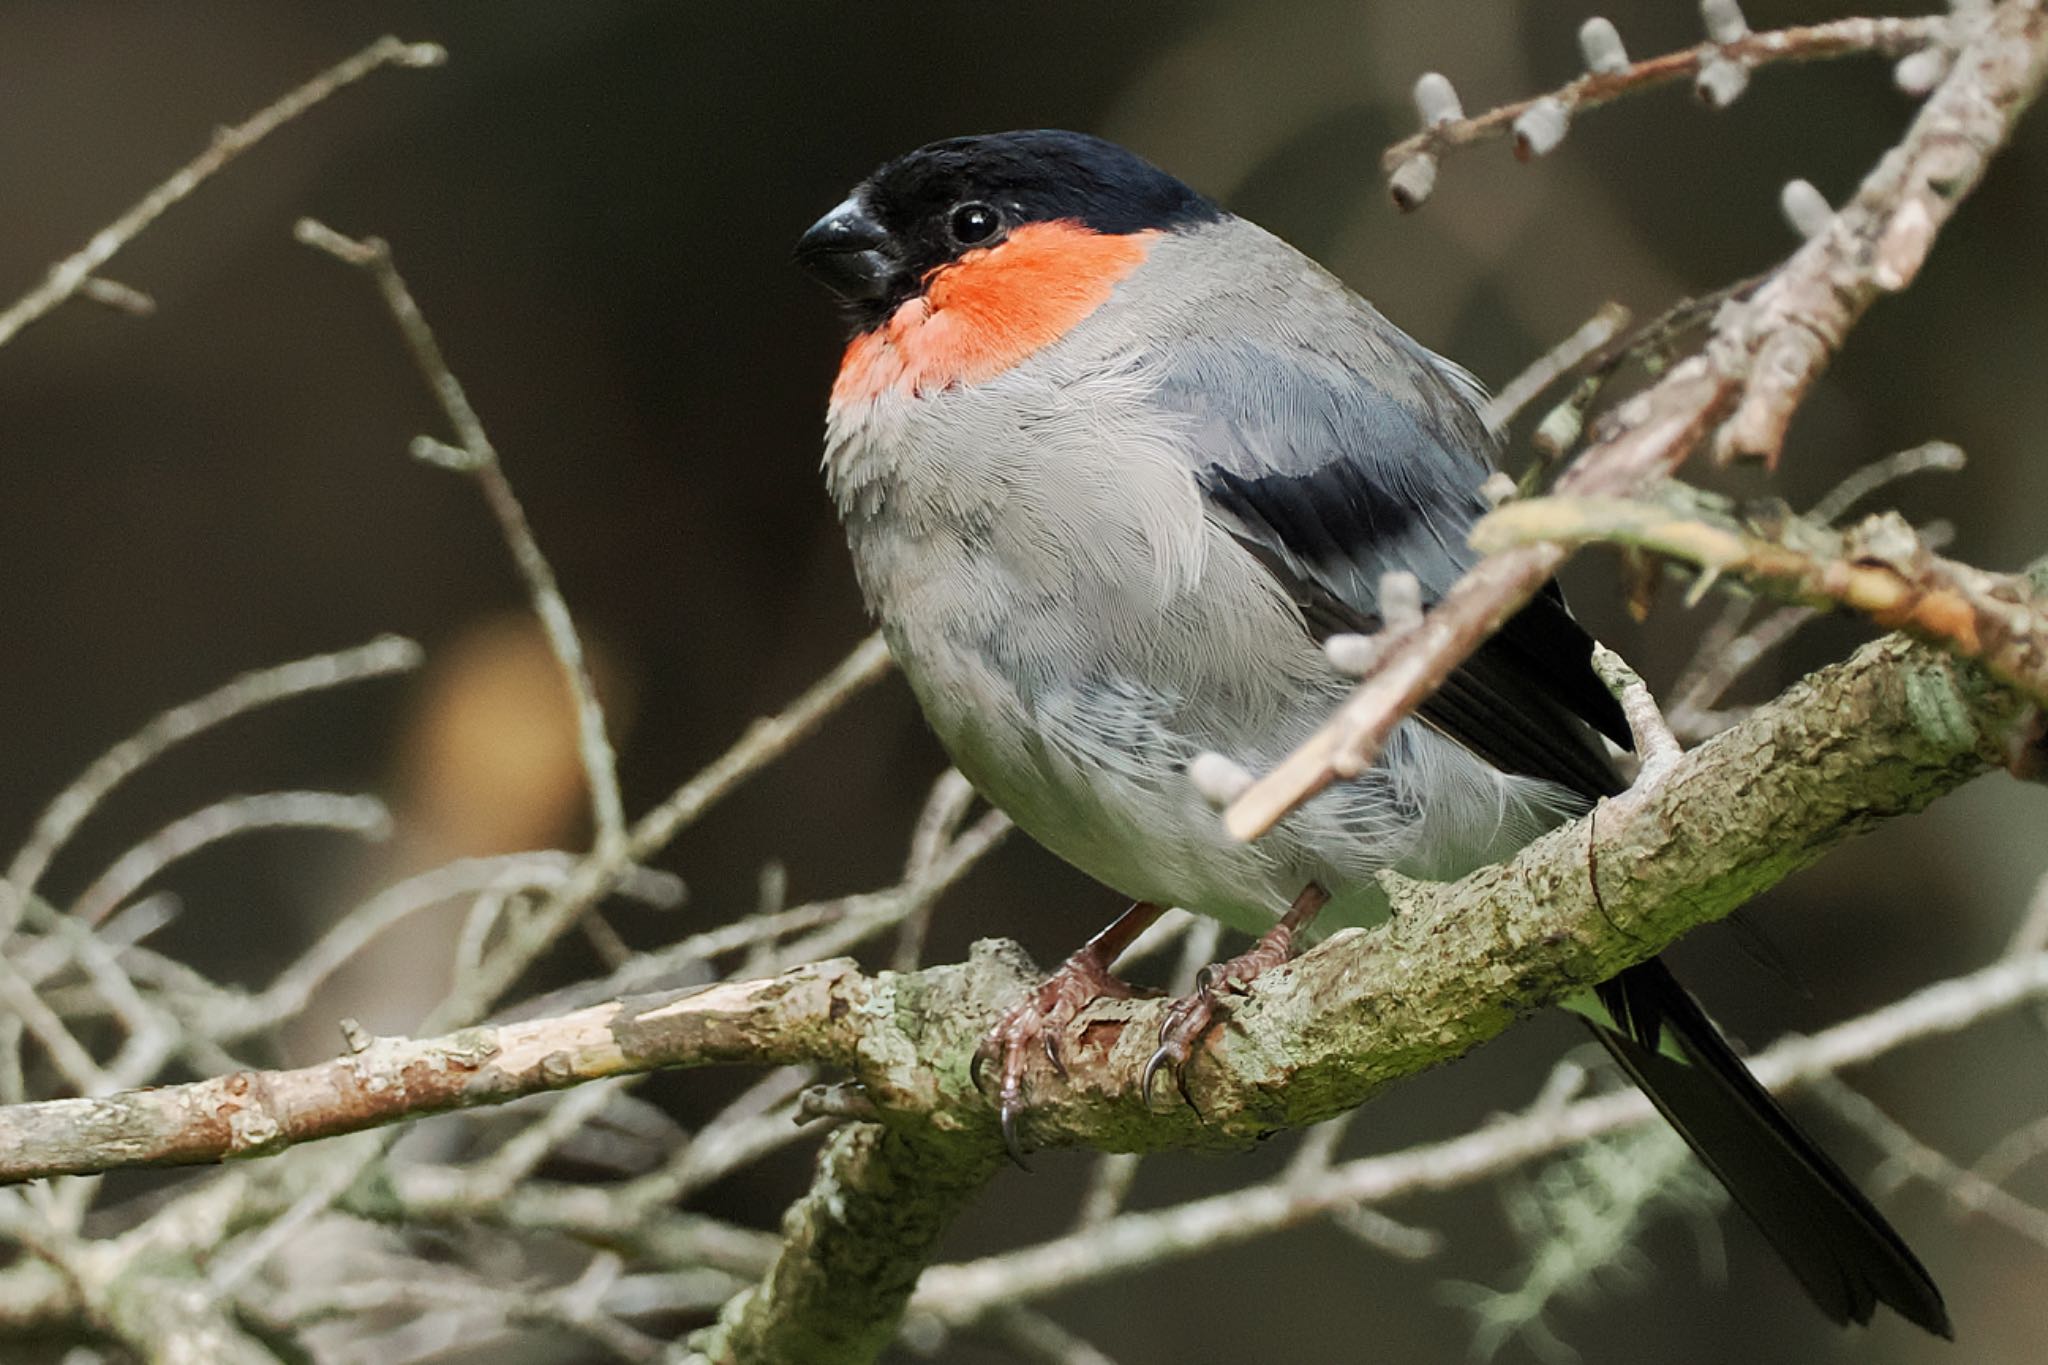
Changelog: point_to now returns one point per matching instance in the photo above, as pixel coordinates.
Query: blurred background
(595, 206)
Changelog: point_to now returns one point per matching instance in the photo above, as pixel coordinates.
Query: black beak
(847, 251)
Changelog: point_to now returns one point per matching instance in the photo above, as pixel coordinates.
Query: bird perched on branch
(1113, 462)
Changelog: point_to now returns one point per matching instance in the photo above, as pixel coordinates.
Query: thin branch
(1731, 646)
(2016, 1149)
(364, 816)
(944, 809)
(1907, 1157)
(74, 273)
(119, 297)
(579, 1309)
(1656, 747)
(1725, 653)
(1589, 337)
(600, 764)
(1930, 456)
(1814, 42)
(1040, 1340)
(66, 1053)
(381, 657)
(764, 742)
(293, 988)
(762, 1120)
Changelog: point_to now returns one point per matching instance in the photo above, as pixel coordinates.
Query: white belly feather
(1075, 644)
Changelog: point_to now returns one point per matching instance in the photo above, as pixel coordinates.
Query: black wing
(1331, 483)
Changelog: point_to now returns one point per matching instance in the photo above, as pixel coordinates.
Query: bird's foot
(1040, 1025)
(1191, 1016)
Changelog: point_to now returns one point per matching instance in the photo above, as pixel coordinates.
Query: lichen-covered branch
(1879, 735)
(959, 1294)
(853, 1248)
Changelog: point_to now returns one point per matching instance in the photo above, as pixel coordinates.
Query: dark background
(595, 205)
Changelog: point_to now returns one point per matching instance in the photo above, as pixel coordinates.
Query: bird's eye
(973, 223)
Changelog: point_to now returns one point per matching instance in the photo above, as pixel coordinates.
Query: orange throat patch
(988, 310)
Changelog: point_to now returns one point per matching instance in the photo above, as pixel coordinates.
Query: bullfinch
(1113, 462)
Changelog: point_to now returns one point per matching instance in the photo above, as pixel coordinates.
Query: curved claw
(1158, 1059)
(1007, 1118)
(974, 1070)
(1176, 1060)
(1050, 1042)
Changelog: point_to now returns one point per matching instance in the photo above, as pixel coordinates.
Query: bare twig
(364, 816)
(1656, 747)
(581, 1309)
(1725, 652)
(1732, 645)
(1908, 1158)
(66, 1053)
(760, 1121)
(117, 296)
(764, 742)
(944, 809)
(379, 658)
(74, 273)
(494, 1177)
(600, 764)
(1592, 334)
(1040, 1340)
(293, 987)
(1931, 456)
(1814, 42)
(2016, 1149)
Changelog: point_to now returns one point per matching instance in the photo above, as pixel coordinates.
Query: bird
(1113, 463)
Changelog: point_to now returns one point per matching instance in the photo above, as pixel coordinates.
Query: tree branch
(478, 458)
(1879, 735)
(961, 1293)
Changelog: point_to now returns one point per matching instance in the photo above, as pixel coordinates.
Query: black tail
(1840, 1247)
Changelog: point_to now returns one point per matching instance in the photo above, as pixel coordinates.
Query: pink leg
(1192, 1015)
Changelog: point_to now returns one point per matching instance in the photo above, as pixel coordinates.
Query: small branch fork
(477, 457)
(1762, 356)
(74, 274)
(1879, 567)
